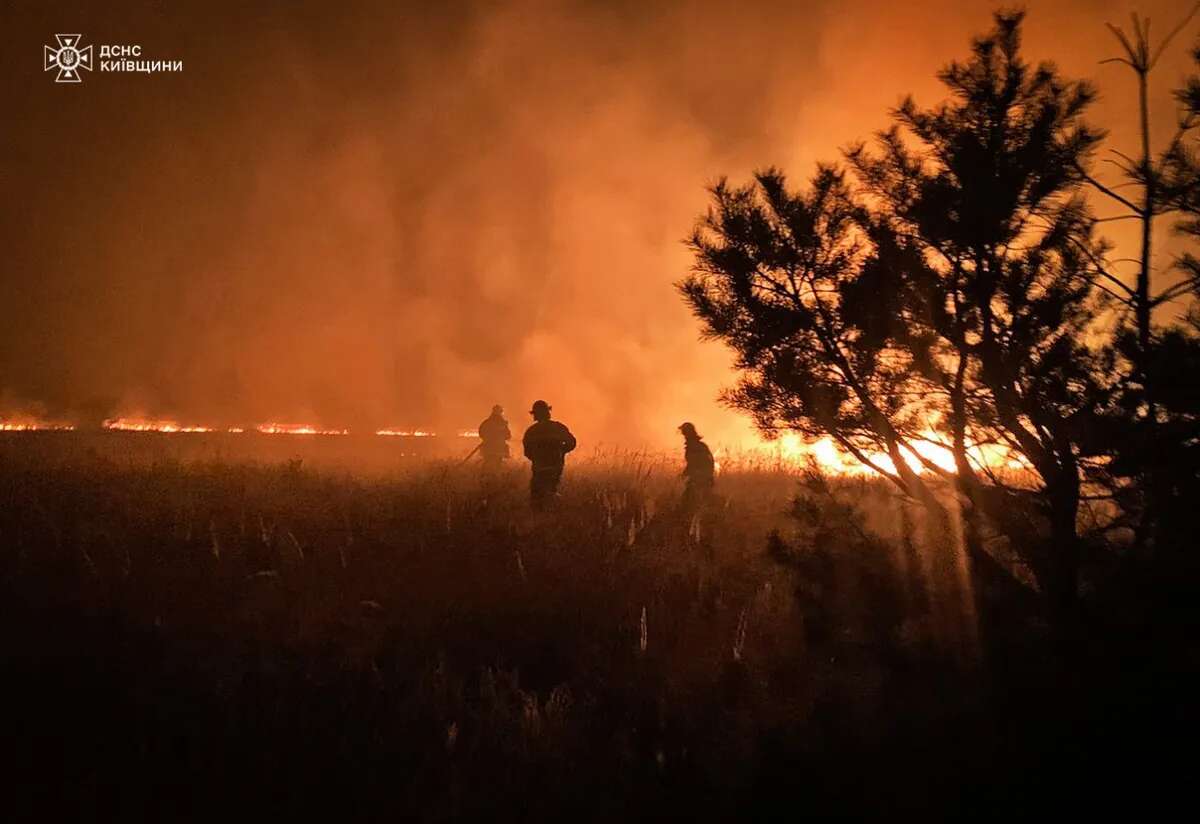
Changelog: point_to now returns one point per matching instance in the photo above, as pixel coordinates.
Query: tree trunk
(1143, 306)
(1062, 569)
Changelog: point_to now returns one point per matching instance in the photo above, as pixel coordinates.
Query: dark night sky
(370, 214)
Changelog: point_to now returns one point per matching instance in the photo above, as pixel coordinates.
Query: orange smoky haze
(384, 216)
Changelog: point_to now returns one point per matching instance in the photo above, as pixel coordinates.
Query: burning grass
(208, 636)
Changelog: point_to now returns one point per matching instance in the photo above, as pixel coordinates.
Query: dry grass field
(199, 637)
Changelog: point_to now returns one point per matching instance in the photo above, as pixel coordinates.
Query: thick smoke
(362, 215)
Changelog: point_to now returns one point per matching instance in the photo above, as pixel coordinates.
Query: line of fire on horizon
(790, 447)
(128, 424)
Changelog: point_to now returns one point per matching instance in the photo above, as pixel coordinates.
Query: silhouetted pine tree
(1163, 450)
(946, 283)
(1152, 425)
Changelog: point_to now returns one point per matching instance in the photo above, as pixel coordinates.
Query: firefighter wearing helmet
(546, 444)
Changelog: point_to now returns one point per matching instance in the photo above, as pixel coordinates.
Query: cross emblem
(68, 58)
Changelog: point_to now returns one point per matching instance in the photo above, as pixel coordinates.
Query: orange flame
(139, 425)
(34, 426)
(790, 447)
(830, 458)
(297, 429)
(422, 433)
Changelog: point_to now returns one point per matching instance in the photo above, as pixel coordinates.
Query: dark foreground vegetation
(189, 640)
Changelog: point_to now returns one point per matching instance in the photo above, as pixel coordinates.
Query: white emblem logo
(68, 58)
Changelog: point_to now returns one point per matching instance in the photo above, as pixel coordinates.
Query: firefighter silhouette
(698, 469)
(494, 435)
(546, 444)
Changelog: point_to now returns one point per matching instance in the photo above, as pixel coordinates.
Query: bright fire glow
(422, 433)
(139, 425)
(297, 429)
(830, 458)
(790, 447)
(34, 426)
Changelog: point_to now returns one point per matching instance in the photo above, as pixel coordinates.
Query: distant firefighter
(546, 444)
(494, 436)
(699, 468)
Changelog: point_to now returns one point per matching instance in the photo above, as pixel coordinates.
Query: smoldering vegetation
(185, 639)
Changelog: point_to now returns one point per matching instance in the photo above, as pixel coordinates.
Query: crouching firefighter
(546, 444)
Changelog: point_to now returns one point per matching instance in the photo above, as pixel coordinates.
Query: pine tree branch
(1175, 31)
(1106, 190)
